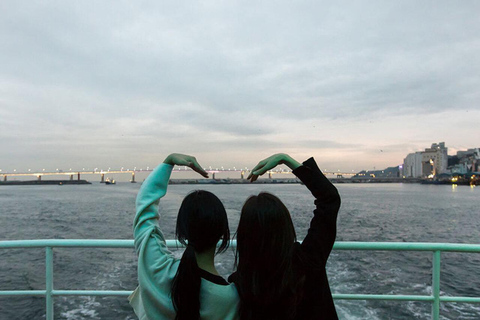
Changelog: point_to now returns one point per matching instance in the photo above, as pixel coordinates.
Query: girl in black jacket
(277, 277)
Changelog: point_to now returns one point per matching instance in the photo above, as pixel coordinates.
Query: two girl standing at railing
(276, 277)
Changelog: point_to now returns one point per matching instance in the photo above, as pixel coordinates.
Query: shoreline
(244, 181)
(42, 182)
(333, 180)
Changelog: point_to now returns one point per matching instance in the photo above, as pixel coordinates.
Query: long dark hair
(201, 223)
(268, 283)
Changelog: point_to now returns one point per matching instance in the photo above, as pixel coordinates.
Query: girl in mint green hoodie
(189, 288)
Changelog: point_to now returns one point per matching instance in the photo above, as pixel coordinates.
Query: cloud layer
(92, 84)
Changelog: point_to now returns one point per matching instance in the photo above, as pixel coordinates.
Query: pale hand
(185, 160)
(270, 163)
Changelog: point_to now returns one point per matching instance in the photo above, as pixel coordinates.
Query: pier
(76, 175)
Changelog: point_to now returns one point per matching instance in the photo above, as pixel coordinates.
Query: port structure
(72, 174)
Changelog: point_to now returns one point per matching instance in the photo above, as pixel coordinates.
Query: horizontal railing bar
(341, 245)
(91, 292)
(106, 243)
(341, 296)
(407, 246)
(459, 299)
(336, 296)
(23, 293)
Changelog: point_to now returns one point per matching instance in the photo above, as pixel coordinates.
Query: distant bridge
(77, 174)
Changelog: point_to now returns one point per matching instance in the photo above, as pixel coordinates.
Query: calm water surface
(369, 212)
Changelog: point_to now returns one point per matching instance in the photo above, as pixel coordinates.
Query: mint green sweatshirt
(157, 266)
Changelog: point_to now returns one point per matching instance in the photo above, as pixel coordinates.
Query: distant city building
(465, 161)
(434, 160)
(412, 165)
(428, 163)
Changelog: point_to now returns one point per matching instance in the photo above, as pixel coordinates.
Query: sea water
(369, 212)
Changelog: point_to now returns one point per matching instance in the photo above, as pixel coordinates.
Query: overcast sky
(356, 84)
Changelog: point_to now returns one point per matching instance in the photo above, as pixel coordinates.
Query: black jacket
(317, 300)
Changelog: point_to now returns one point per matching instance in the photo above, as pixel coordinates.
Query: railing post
(49, 282)
(436, 285)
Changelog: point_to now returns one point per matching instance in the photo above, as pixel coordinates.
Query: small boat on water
(110, 181)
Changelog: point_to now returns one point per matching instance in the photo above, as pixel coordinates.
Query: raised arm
(319, 241)
(154, 188)
(320, 238)
(156, 264)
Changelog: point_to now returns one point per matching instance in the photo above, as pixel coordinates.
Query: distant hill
(389, 172)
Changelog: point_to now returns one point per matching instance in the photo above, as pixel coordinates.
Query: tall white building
(412, 165)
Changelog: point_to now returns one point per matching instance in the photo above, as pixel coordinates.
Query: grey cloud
(324, 144)
(343, 64)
